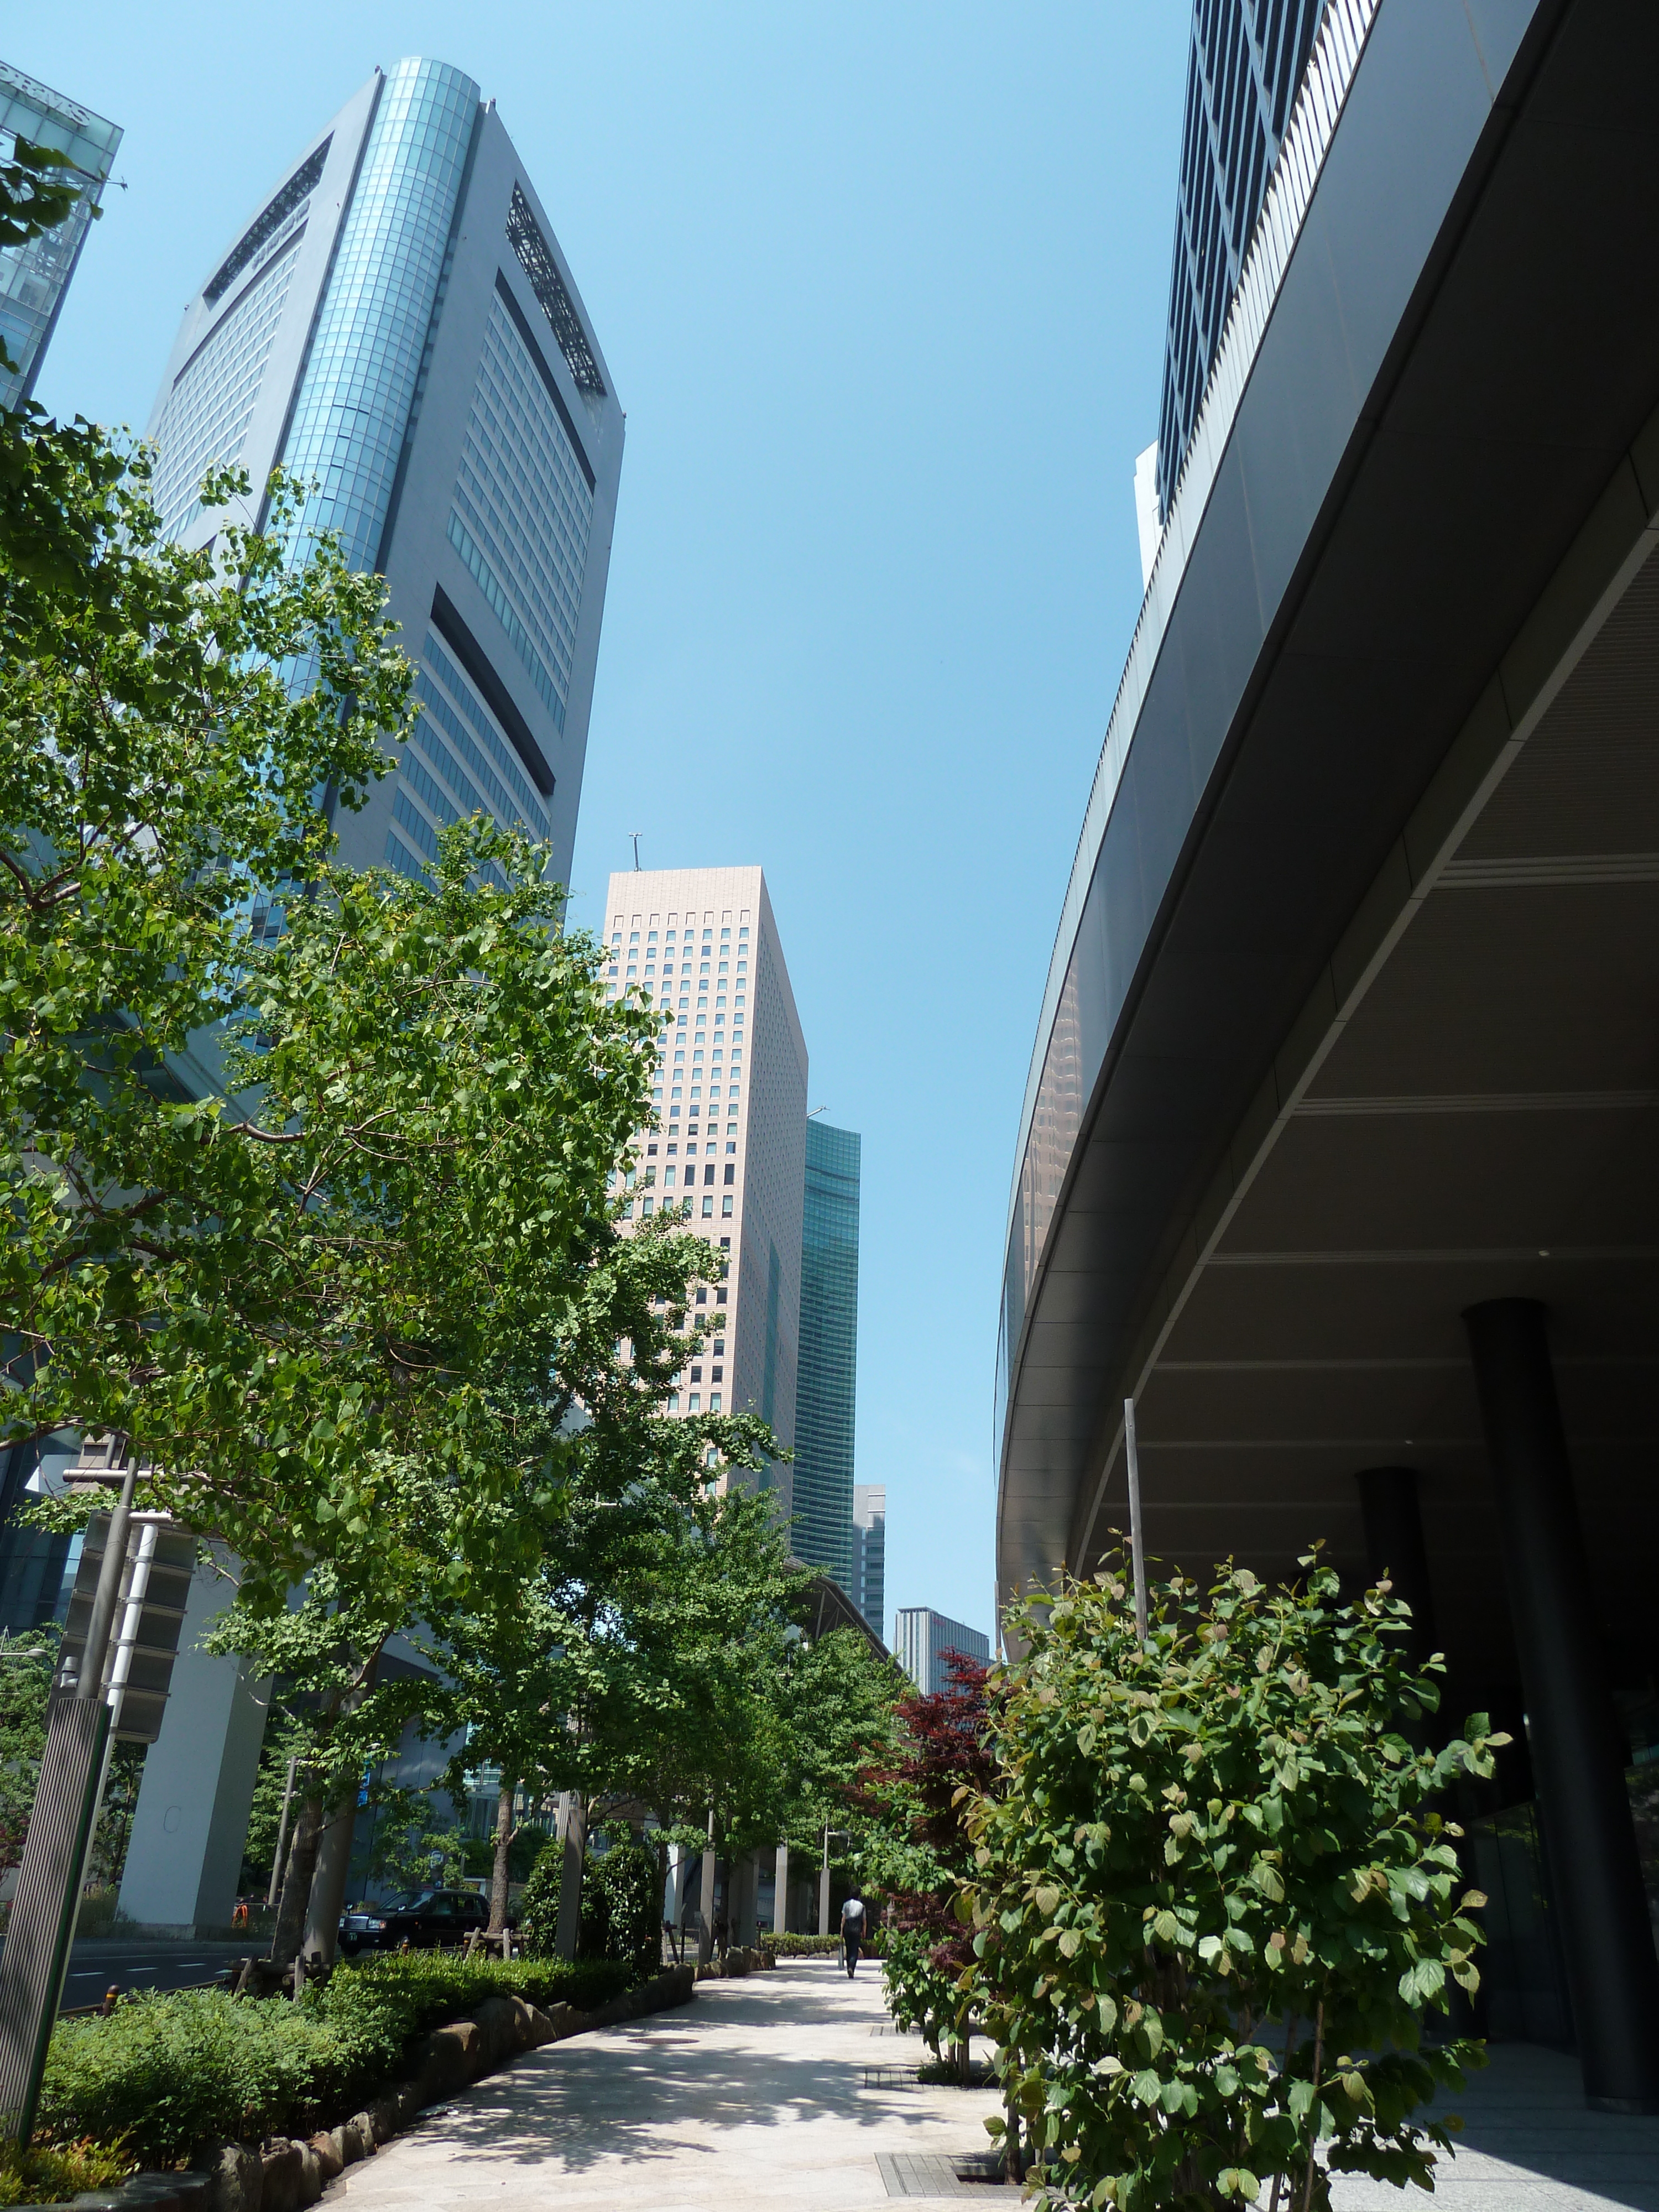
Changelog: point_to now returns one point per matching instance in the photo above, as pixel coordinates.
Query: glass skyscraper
(397, 327)
(921, 1638)
(34, 277)
(1242, 70)
(826, 1399)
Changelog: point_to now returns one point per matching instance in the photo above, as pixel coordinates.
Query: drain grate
(918, 2174)
(890, 2077)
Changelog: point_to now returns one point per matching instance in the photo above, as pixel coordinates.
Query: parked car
(425, 1919)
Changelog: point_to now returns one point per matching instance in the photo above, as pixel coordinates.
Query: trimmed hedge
(818, 1947)
(172, 2072)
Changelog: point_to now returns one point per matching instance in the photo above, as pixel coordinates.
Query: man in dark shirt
(852, 1932)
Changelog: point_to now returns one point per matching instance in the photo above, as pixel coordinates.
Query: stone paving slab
(754, 2095)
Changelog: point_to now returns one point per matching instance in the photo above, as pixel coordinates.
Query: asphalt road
(160, 1965)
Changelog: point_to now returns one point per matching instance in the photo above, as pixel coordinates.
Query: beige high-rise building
(728, 1149)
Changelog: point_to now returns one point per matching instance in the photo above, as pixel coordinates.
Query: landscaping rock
(312, 2179)
(279, 2178)
(541, 2027)
(497, 2032)
(448, 2059)
(384, 2118)
(235, 2179)
(328, 2157)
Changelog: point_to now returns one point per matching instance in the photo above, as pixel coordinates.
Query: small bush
(51, 2173)
(818, 1946)
(630, 1882)
(174, 2071)
(538, 1908)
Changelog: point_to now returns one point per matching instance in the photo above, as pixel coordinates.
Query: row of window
(694, 1403)
(649, 1206)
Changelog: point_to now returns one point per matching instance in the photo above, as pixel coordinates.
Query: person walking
(852, 1932)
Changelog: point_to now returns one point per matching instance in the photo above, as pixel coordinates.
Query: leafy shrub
(628, 1882)
(50, 2173)
(175, 2070)
(919, 1855)
(538, 1908)
(876, 1942)
(1214, 1897)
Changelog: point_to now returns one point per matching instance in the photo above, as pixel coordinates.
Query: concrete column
(781, 1892)
(1394, 1546)
(185, 1856)
(1606, 1941)
(823, 1901)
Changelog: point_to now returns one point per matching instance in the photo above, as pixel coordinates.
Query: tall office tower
(396, 327)
(920, 1639)
(826, 1401)
(1245, 62)
(727, 1150)
(34, 277)
(869, 1590)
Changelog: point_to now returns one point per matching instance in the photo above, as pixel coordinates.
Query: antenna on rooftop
(635, 836)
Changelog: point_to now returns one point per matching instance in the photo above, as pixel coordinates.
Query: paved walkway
(752, 2095)
(768, 2093)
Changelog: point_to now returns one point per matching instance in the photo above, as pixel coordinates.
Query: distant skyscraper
(920, 1639)
(33, 277)
(728, 1154)
(869, 1590)
(1243, 67)
(827, 1399)
(397, 325)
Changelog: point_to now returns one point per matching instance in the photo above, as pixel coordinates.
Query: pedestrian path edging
(285, 2174)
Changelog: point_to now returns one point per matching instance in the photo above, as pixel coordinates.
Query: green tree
(919, 1853)
(26, 1663)
(1214, 1897)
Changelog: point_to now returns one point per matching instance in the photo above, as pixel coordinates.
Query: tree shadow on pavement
(677, 2082)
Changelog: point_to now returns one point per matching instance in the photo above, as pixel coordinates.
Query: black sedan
(426, 1919)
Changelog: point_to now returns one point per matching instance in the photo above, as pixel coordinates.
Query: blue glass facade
(522, 511)
(355, 404)
(396, 327)
(33, 277)
(827, 1392)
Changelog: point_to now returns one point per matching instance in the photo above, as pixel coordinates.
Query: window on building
(694, 1401)
(720, 1294)
(696, 1374)
(725, 1206)
(730, 1148)
(648, 1206)
(719, 1347)
(651, 1151)
(708, 1172)
(650, 936)
(708, 1209)
(651, 1173)
(731, 1170)
(668, 1173)
(703, 1297)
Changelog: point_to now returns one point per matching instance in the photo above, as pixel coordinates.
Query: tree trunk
(498, 1880)
(570, 1877)
(297, 1882)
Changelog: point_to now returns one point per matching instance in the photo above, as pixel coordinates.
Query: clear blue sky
(883, 289)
